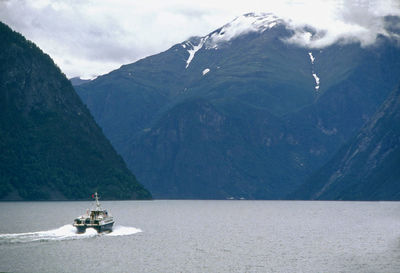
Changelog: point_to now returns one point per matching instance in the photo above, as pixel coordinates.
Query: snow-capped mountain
(241, 25)
(243, 111)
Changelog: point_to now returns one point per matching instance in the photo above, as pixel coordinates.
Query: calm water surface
(204, 236)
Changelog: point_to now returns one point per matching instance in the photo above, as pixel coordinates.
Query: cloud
(350, 21)
(91, 37)
(68, 33)
(103, 33)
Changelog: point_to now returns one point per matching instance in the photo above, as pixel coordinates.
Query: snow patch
(194, 49)
(311, 57)
(252, 22)
(316, 78)
(205, 71)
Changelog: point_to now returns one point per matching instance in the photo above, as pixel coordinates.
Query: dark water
(204, 236)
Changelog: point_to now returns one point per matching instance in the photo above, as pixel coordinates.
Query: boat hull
(99, 228)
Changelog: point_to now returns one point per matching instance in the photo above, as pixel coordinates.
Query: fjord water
(204, 236)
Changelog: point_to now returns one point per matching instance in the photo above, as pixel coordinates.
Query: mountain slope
(249, 113)
(366, 168)
(50, 146)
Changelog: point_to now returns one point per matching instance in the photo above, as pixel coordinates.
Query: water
(204, 236)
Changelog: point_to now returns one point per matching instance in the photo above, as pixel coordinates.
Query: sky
(87, 38)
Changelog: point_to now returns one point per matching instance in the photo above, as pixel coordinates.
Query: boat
(97, 218)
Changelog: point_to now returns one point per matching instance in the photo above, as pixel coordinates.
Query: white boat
(97, 218)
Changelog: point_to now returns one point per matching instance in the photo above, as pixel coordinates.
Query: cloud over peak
(91, 37)
(352, 21)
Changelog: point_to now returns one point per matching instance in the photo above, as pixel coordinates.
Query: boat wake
(66, 232)
(123, 231)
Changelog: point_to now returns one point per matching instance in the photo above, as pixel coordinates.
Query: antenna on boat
(97, 200)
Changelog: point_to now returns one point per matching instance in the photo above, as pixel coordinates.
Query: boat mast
(97, 200)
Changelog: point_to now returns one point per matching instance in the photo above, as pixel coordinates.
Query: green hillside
(50, 146)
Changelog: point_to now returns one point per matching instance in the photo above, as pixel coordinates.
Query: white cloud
(347, 21)
(92, 37)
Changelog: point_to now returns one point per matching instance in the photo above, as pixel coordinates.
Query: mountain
(241, 112)
(367, 167)
(50, 146)
(78, 81)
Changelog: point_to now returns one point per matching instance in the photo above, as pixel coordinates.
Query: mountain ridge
(51, 147)
(285, 109)
(366, 168)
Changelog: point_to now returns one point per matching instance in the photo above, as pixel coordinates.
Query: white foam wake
(123, 231)
(66, 232)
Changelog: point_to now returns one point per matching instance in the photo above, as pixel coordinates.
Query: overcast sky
(91, 37)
